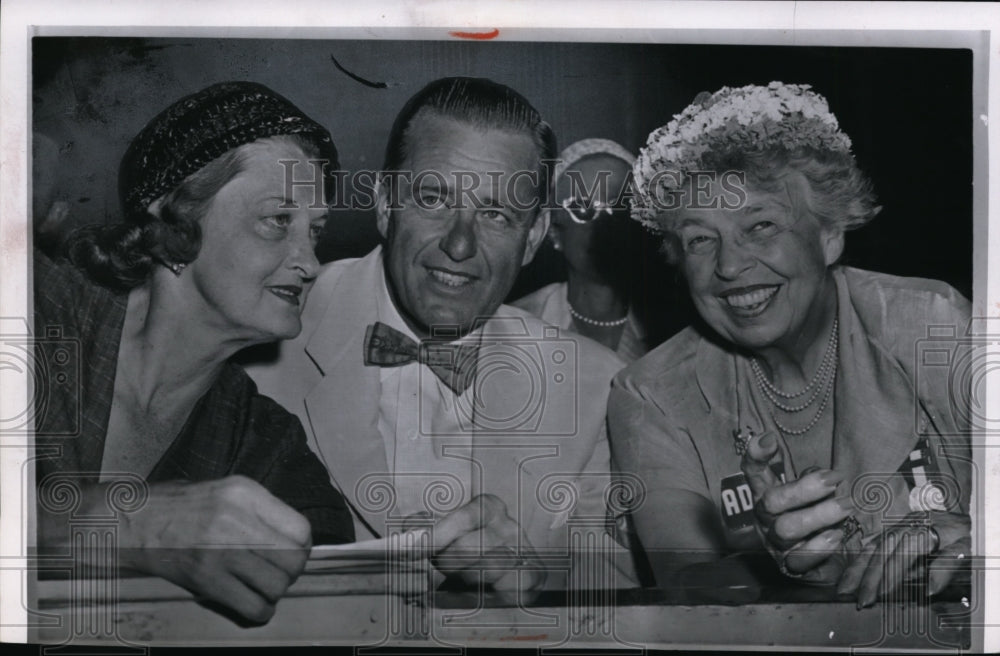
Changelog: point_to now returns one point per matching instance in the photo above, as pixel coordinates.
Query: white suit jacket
(537, 441)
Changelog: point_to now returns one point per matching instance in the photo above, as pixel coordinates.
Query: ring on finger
(519, 559)
(924, 523)
(851, 526)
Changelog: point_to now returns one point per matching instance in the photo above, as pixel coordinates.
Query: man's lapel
(343, 407)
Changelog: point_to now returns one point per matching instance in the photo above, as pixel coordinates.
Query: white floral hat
(749, 119)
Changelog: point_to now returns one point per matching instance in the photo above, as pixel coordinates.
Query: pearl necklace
(826, 373)
(595, 322)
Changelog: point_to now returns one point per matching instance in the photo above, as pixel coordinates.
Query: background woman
(600, 247)
(215, 253)
(792, 416)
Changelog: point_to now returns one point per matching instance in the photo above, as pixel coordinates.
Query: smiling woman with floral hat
(791, 433)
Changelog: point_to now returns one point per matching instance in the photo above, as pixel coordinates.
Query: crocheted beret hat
(203, 126)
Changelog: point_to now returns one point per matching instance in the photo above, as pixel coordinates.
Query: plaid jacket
(231, 430)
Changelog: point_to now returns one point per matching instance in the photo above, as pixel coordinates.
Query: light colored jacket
(673, 412)
(548, 460)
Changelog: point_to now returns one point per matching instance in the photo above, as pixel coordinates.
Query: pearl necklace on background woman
(595, 322)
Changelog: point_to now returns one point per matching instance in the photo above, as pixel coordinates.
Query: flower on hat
(744, 119)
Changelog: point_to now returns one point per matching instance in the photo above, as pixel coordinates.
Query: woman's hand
(481, 541)
(799, 521)
(894, 556)
(229, 541)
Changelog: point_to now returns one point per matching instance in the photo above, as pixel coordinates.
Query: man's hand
(229, 541)
(481, 539)
(894, 556)
(800, 520)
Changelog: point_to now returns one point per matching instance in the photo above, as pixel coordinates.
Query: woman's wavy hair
(840, 195)
(122, 255)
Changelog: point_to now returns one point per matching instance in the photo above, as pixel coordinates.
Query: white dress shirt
(418, 419)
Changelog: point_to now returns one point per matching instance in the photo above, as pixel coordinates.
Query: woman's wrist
(55, 526)
(935, 539)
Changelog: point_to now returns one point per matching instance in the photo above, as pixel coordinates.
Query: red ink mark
(478, 36)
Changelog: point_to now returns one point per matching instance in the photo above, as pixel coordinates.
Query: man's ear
(382, 211)
(535, 235)
(833, 245)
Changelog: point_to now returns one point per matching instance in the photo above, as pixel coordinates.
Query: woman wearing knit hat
(599, 244)
(793, 435)
(217, 488)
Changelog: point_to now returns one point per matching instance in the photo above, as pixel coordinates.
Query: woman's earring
(176, 267)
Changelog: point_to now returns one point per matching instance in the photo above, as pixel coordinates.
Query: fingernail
(831, 478)
(833, 537)
(846, 503)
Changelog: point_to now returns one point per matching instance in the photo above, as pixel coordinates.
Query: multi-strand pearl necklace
(821, 384)
(594, 322)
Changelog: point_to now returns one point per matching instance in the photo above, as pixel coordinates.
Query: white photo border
(933, 25)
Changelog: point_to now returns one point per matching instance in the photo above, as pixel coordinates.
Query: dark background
(908, 112)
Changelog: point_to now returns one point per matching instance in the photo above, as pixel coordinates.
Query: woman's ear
(156, 207)
(833, 245)
(555, 236)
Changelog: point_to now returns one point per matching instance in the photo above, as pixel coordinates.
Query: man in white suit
(427, 398)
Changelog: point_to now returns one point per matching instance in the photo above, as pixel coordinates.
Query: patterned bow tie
(454, 364)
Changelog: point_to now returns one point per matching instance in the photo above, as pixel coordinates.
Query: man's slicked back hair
(482, 103)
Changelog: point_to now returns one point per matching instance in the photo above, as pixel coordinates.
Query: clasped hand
(800, 521)
(898, 554)
(802, 524)
(229, 541)
(480, 541)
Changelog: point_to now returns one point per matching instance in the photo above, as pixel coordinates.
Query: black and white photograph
(432, 327)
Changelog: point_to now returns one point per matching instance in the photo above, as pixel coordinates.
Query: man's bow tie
(454, 364)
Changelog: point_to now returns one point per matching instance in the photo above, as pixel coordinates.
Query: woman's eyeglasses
(583, 211)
